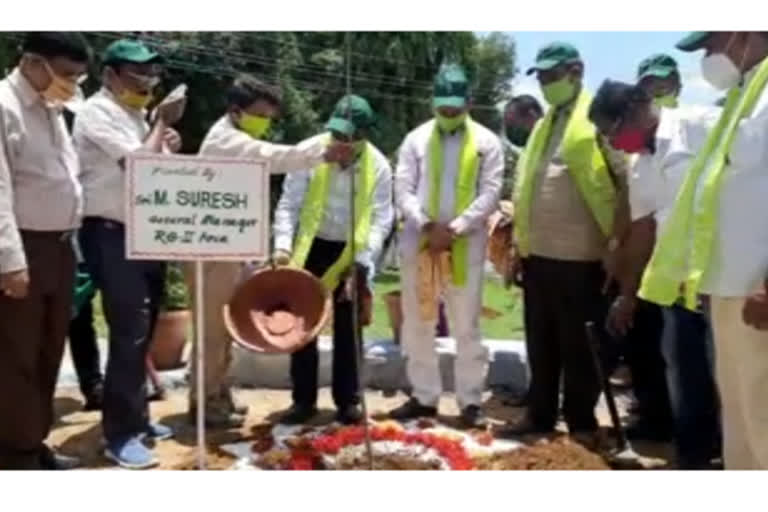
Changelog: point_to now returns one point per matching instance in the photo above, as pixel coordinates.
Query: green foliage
(176, 293)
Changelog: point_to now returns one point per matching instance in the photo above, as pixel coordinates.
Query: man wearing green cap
(448, 179)
(312, 226)
(659, 77)
(568, 193)
(712, 244)
(252, 106)
(110, 126)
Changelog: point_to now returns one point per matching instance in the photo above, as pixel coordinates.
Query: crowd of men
(630, 211)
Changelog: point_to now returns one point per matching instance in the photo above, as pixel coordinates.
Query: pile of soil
(386, 463)
(216, 460)
(559, 454)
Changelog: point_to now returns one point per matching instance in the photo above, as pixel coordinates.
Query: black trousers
(33, 331)
(646, 363)
(559, 298)
(131, 292)
(84, 348)
(304, 363)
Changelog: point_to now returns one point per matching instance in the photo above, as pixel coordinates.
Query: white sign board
(196, 208)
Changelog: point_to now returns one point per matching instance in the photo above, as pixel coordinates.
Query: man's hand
(281, 258)
(172, 140)
(755, 311)
(347, 281)
(172, 111)
(621, 316)
(338, 152)
(439, 237)
(15, 284)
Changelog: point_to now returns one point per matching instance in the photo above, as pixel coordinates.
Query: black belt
(62, 236)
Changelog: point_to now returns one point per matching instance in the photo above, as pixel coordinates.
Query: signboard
(196, 208)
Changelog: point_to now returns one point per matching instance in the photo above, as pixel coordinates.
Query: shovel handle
(594, 348)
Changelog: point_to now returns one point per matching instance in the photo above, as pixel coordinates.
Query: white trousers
(463, 307)
(741, 362)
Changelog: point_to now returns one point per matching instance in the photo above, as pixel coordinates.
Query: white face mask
(720, 71)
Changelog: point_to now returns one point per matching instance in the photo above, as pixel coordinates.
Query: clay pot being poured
(277, 310)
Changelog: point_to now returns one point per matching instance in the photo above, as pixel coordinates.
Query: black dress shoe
(51, 460)
(472, 417)
(412, 410)
(524, 427)
(349, 415)
(298, 415)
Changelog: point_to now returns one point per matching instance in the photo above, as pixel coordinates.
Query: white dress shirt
(105, 132)
(39, 190)
(655, 178)
(225, 139)
(412, 187)
(739, 259)
(334, 225)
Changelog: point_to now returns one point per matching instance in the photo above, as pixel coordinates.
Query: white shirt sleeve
(12, 257)
(283, 158)
(382, 217)
(289, 208)
(489, 188)
(95, 123)
(407, 182)
(750, 144)
(645, 188)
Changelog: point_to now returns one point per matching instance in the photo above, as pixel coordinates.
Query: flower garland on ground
(306, 453)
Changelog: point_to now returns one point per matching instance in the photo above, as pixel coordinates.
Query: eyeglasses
(77, 79)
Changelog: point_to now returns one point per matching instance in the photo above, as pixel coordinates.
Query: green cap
(351, 114)
(553, 55)
(660, 65)
(451, 87)
(692, 41)
(130, 50)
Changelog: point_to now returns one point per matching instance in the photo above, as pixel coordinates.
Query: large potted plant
(173, 322)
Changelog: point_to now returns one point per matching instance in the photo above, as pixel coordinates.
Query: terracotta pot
(170, 337)
(278, 310)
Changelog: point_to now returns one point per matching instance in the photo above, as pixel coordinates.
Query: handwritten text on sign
(196, 208)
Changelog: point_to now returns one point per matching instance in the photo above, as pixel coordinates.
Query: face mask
(60, 90)
(719, 70)
(518, 135)
(560, 92)
(134, 100)
(255, 126)
(666, 101)
(629, 141)
(450, 124)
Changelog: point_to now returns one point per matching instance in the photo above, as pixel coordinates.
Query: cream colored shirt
(562, 225)
(39, 190)
(225, 139)
(105, 132)
(412, 188)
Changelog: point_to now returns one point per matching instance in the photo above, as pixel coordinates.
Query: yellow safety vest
(682, 254)
(466, 188)
(584, 160)
(312, 212)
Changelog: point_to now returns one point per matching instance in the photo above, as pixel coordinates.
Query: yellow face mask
(255, 126)
(134, 100)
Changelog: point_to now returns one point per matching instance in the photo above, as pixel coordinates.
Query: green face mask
(560, 92)
(255, 126)
(450, 124)
(666, 101)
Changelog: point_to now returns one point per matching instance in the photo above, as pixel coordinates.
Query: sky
(614, 55)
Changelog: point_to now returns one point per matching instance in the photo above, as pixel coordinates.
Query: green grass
(508, 303)
(508, 325)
